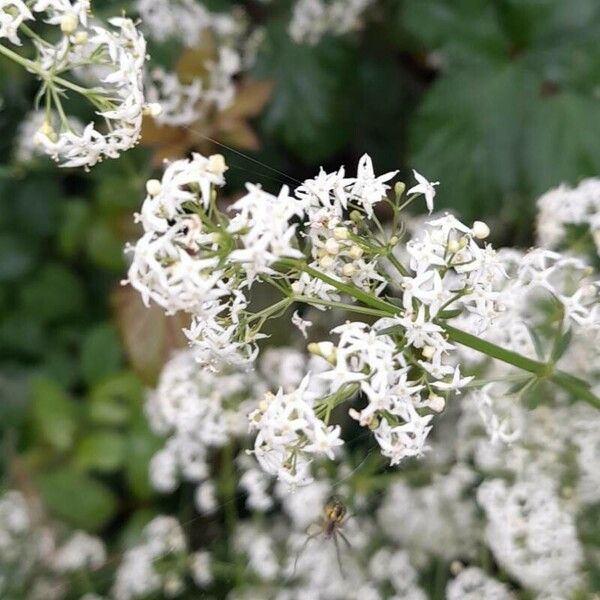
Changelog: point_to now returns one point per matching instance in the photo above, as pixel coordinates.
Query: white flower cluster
(200, 411)
(109, 57)
(159, 564)
(474, 584)
(332, 236)
(39, 556)
(184, 101)
(439, 519)
(27, 144)
(182, 19)
(447, 269)
(12, 15)
(312, 19)
(290, 434)
(543, 290)
(532, 536)
(565, 207)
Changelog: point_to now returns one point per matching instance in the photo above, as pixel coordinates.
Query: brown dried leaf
(149, 337)
(251, 98)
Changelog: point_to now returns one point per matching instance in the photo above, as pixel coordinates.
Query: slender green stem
(30, 66)
(227, 485)
(542, 370)
(271, 310)
(365, 310)
(24, 62)
(399, 266)
(512, 358)
(346, 288)
(575, 386)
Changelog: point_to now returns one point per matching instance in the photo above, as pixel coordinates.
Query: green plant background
(498, 100)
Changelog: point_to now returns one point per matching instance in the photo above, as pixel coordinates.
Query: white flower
(300, 323)
(12, 14)
(290, 434)
(426, 188)
(369, 189)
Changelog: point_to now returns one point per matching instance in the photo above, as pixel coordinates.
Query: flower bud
(348, 270)
(326, 262)
(324, 349)
(341, 233)
(399, 188)
(394, 240)
(296, 287)
(45, 131)
(216, 164)
(68, 24)
(356, 252)
(428, 352)
(152, 109)
(332, 247)
(453, 246)
(80, 38)
(436, 403)
(356, 216)
(480, 230)
(153, 187)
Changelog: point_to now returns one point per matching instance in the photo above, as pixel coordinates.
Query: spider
(330, 526)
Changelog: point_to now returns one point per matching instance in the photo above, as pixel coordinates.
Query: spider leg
(345, 539)
(302, 549)
(338, 554)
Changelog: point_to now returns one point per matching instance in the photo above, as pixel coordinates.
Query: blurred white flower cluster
(160, 563)
(563, 208)
(186, 99)
(312, 19)
(38, 557)
(100, 63)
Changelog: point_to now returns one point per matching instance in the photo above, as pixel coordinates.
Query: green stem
(399, 266)
(271, 310)
(227, 487)
(33, 68)
(345, 288)
(365, 310)
(542, 370)
(512, 358)
(575, 386)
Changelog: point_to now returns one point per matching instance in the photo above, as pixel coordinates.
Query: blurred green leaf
(141, 446)
(111, 400)
(54, 414)
(563, 140)
(77, 498)
(16, 257)
(104, 247)
(73, 231)
(462, 31)
(53, 294)
(102, 451)
(22, 333)
(469, 135)
(100, 353)
(305, 111)
(37, 205)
